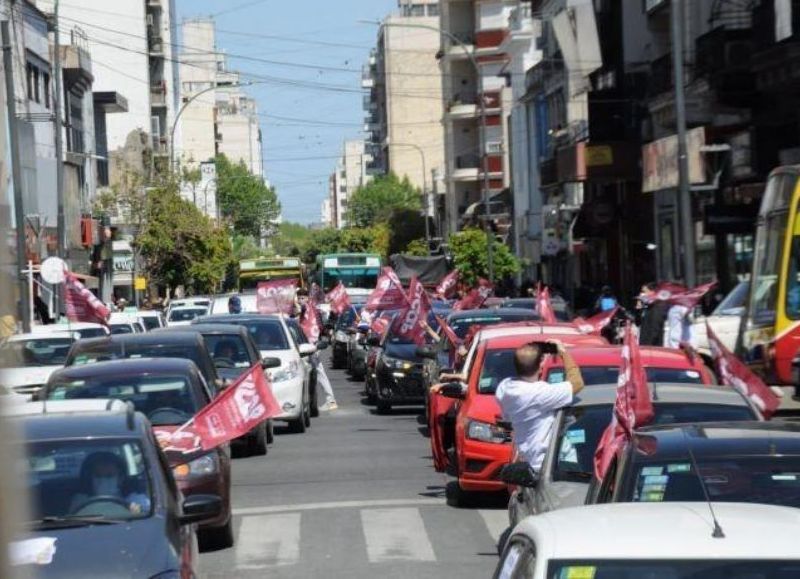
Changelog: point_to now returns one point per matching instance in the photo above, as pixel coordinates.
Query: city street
(356, 496)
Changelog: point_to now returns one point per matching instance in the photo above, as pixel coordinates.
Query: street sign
(140, 284)
(53, 270)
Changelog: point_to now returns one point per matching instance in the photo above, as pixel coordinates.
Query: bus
(769, 336)
(357, 271)
(253, 271)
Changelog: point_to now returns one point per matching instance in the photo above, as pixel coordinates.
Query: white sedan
(183, 315)
(27, 360)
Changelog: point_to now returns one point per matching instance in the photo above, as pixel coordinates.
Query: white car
(724, 320)
(124, 323)
(27, 360)
(655, 540)
(152, 319)
(81, 329)
(184, 302)
(183, 315)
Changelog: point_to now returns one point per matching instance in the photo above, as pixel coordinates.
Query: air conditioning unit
(494, 148)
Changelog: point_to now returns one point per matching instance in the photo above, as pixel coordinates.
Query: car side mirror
(199, 508)
(268, 363)
(374, 341)
(519, 474)
(307, 349)
(454, 390)
(426, 352)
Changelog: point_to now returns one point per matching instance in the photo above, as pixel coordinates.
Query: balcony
(461, 45)
(155, 44)
(367, 80)
(154, 4)
(467, 168)
(158, 94)
(77, 66)
(463, 105)
(724, 58)
(521, 19)
(660, 75)
(777, 50)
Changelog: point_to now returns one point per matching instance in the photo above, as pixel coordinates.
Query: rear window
(151, 322)
(267, 334)
(113, 351)
(120, 329)
(186, 315)
(35, 352)
(461, 325)
(228, 351)
(595, 375)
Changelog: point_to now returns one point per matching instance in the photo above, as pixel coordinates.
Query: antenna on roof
(718, 532)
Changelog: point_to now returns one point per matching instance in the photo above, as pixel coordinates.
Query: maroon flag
(734, 373)
(679, 295)
(544, 306)
(380, 324)
(338, 299)
(409, 324)
(448, 332)
(310, 322)
(83, 305)
(241, 407)
(597, 323)
(276, 296)
(475, 298)
(388, 293)
(448, 284)
(633, 407)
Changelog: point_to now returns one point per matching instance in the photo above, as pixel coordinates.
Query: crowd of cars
(96, 404)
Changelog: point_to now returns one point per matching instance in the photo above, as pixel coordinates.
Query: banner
(408, 324)
(388, 293)
(241, 407)
(310, 322)
(276, 296)
(476, 296)
(633, 407)
(338, 299)
(447, 286)
(544, 306)
(83, 305)
(734, 373)
(597, 323)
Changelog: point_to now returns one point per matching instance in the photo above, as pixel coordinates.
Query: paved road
(356, 496)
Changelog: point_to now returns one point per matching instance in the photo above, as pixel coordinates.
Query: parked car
(657, 541)
(188, 345)
(148, 532)
(290, 381)
(234, 353)
(82, 330)
(152, 319)
(125, 323)
(168, 392)
(568, 464)
(560, 306)
(27, 360)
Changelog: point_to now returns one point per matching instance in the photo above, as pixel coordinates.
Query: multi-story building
(351, 173)
(325, 213)
(404, 106)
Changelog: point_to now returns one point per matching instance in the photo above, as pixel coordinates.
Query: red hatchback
(467, 437)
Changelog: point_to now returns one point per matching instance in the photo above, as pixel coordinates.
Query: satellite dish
(53, 269)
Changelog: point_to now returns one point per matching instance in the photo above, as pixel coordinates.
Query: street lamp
(482, 109)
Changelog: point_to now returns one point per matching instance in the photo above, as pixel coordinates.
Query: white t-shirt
(531, 408)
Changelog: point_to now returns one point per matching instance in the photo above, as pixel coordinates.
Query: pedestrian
(679, 328)
(530, 403)
(654, 316)
(322, 376)
(606, 302)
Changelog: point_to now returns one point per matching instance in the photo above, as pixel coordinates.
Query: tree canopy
(376, 201)
(245, 200)
(471, 258)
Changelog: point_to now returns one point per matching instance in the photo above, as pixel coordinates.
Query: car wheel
(300, 424)
(217, 538)
(258, 443)
(314, 401)
(384, 407)
(307, 415)
(503, 539)
(456, 496)
(270, 432)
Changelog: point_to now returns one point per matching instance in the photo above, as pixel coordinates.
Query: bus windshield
(359, 277)
(353, 270)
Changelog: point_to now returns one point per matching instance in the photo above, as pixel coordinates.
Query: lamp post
(482, 110)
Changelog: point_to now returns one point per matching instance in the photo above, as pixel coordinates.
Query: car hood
(134, 549)
(484, 407)
(34, 375)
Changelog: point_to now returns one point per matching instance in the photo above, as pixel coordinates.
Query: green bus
(354, 270)
(253, 271)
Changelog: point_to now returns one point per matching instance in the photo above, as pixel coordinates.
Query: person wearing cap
(234, 305)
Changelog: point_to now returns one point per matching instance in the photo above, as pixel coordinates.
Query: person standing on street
(606, 301)
(654, 316)
(530, 404)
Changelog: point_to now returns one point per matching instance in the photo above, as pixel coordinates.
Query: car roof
(515, 341)
(491, 313)
(236, 318)
(149, 313)
(667, 393)
(683, 531)
(46, 329)
(650, 356)
(38, 336)
(723, 439)
(526, 328)
(175, 337)
(127, 366)
(209, 328)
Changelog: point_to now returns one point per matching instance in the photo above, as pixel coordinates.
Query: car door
(518, 560)
(542, 497)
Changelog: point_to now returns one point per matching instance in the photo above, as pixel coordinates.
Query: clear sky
(312, 99)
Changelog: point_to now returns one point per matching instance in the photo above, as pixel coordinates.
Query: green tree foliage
(351, 240)
(320, 242)
(470, 256)
(405, 225)
(244, 199)
(375, 202)
(291, 239)
(245, 247)
(417, 247)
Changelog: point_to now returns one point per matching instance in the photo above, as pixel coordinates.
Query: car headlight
(396, 364)
(486, 432)
(204, 465)
(341, 336)
(286, 373)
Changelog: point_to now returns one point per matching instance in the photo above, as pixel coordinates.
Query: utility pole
(686, 244)
(16, 175)
(61, 228)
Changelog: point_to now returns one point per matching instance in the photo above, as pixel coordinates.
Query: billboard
(660, 161)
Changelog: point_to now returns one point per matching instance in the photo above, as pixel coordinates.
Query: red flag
(734, 373)
(448, 331)
(544, 306)
(83, 305)
(338, 299)
(448, 284)
(409, 323)
(241, 407)
(633, 407)
(597, 323)
(380, 324)
(679, 295)
(388, 293)
(475, 298)
(310, 322)
(276, 296)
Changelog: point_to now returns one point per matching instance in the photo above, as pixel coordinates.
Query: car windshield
(734, 303)
(461, 325)
(35, 352)
(595, 375)
(228, 350)
(268, 334)
(151, 322)
(497, 366)
(70, 480)
(673, 569)
(163, 399)
(582, 427)
(186, 315)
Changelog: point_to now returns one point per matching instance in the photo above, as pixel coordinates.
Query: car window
(91, 333)
(228, 350)
(186, 315)
(80, 478)
(594, 375)
(497, 366)
(107, 351)
(268, 334)
(120, 329)
(35, 352)
(462, 325)
(151, 322)
(297, 332)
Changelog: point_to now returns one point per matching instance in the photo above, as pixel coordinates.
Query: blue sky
(299, 154)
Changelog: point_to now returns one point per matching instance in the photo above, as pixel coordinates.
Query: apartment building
(351, 173)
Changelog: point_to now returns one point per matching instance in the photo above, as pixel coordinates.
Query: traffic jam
(616, 459)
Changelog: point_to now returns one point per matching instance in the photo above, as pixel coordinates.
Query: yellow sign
(599, 156)
(140, 284)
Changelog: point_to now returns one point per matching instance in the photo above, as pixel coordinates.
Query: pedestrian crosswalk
(358, 536)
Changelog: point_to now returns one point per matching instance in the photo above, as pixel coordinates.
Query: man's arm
(573, 372)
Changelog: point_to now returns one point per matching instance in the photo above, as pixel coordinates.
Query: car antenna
(718, 533)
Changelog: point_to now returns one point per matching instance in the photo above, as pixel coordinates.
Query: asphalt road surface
(355, 496)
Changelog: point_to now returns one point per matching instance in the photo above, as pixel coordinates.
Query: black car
(343, 328)
(188, 345)
(743, 462)
(103, 493)
(168, 391)
(560, 306)
(234, 352)
(463, 320)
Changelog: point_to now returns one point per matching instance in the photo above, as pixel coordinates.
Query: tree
(291, 239)
(417, 247)
(405, 225)
(471, 258)
(322, 241)
(375, 202)
(245, 200)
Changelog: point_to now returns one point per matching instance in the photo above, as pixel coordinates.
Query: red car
(466, 439)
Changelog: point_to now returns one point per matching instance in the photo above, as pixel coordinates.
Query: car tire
(300, 424)
(217, 538)
(258, 443)
(456, 496)
(270, 432)
(314, 401)
(307, 416)
(503, 539)
(384, 407)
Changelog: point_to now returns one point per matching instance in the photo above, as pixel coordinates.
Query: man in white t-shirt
(530, 404)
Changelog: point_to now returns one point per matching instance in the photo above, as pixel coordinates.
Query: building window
(37, 96)
(343, 188)
(46, 87)
(29, 79)
(433, 10)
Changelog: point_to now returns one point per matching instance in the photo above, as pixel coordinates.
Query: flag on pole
(597, 323)
(83, 305)
(310, 322)
(388, 293)
(544, 306)
(476, 296)
(734, 373)
(409, 324)
(338, 299)
(679, 295)
(276, 296)
(448, 284)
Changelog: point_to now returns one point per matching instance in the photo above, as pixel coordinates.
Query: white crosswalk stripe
(396, 535)
(268, 541)
(496, 521)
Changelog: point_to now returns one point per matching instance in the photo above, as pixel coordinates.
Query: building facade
(351, 173)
